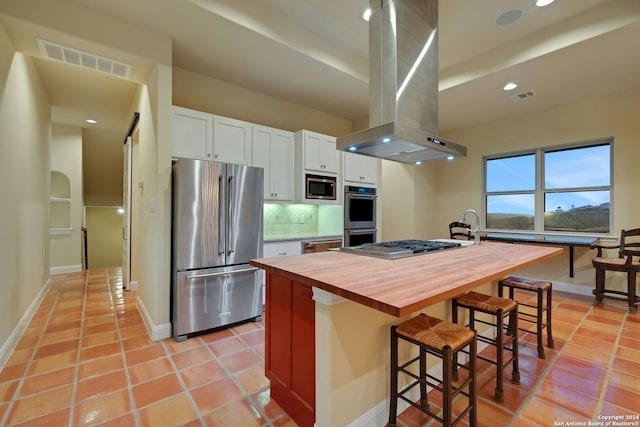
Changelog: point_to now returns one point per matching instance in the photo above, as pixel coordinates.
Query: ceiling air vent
(523, 95)
(84, 59)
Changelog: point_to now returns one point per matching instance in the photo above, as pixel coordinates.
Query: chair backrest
(630, 242)
(460, 231)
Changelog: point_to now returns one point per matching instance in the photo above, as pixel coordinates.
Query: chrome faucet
(476, 231)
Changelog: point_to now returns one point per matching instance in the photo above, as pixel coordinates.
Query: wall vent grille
(523, 95)
(80, 58)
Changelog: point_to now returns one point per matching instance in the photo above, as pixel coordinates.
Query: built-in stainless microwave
(320, 187)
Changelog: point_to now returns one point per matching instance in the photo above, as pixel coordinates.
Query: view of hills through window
(571, 184)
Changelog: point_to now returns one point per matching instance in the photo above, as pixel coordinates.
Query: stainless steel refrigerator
(216, 230)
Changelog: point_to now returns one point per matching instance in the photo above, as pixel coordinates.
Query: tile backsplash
(295, 219)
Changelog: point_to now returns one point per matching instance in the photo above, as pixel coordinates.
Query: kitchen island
(336, 308)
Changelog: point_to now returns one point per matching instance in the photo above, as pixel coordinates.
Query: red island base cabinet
(290, 359)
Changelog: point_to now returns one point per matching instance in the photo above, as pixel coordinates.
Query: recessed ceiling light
(366, 14)
(450, 157)
(510, 86)
(418, 162)
(386, 139)
(509, 17)
(352, 148)
(542, 3)
(91, 121)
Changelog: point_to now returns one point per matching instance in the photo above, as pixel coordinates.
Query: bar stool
(500, 308)
(444, 340)
(542, 318)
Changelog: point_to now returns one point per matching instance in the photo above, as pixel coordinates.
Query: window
(555, 190)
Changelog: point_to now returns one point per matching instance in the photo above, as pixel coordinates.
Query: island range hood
(403, 86)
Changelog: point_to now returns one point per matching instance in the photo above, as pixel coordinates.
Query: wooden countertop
(402, 286)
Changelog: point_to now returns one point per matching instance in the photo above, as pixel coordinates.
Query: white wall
(24, 184)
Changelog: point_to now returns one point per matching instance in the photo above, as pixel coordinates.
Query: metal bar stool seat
(542, 318)
(442, 339)
(500, 308)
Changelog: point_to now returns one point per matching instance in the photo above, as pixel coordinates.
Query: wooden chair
(626, 262)
(460, 231)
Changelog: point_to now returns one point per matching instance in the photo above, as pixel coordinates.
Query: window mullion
(538, 223)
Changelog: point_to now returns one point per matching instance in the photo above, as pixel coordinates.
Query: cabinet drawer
(274, 249)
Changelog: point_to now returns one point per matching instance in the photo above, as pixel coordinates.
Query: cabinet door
(231, 141)
(261, 156)
(273, 150)
(360, 169)
(320, 153)
(282, 166)
(192, 134)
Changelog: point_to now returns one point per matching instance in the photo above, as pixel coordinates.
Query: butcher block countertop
(400, 287)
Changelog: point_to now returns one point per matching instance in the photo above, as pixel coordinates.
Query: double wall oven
(359, 215)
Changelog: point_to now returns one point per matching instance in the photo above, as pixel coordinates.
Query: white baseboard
(156, 332)
(13, 339)
(133, 285)
(62, 269)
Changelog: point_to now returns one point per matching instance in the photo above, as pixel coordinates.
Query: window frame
(540, 191)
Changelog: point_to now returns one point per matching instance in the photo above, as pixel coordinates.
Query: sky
(586, 167)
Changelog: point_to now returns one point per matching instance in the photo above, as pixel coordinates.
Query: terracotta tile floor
(86, 359)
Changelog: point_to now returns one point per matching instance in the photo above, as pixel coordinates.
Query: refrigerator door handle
(244, 270)
(220, 213)
(230, 220)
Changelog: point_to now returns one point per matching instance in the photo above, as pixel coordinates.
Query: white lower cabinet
(282, 248)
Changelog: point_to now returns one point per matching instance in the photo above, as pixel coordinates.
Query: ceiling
(314, 53)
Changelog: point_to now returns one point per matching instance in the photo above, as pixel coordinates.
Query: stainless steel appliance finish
(359, 215)
(403, 85)
(320, 187)
(217, 230)
(400, 248)
(311, 246)
(359, 207)
(359, 237)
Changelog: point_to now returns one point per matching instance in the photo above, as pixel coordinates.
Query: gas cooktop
(400, 248)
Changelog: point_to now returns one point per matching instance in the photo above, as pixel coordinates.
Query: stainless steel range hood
(403, 86)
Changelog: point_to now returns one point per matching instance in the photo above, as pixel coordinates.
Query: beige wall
(104, 236)
(151, 203)
(24, 187)
(105, 164)
(421, 201)
(199, 92)
(66, 157)
(459, 184)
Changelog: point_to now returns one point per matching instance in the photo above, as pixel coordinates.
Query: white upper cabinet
(318, 152)
(273, 150)
(359, 169)
(192, 134)
(232, 141)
